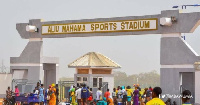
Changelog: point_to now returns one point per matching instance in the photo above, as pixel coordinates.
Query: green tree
(144, 79)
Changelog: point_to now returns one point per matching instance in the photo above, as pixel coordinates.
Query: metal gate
(24, 85)
(64, 87)
(104, 88)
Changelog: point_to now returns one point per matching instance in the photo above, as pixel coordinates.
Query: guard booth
(95, 70)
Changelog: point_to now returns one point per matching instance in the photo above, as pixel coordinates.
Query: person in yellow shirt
(129, 94)
(155, 95)
(73, 96)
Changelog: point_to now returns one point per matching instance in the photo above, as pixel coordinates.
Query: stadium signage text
(96, 27)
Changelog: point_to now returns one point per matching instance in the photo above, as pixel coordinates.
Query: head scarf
(53, 85)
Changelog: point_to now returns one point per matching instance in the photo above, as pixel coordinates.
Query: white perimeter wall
(5, 81)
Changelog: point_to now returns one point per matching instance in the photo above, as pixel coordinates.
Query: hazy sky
(134, 53)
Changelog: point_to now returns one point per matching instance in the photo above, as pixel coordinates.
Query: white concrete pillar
(197, 87)
(176, 57)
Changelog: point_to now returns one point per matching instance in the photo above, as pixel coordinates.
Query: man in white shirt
(36, 91)
(78, 95)
(99, 95)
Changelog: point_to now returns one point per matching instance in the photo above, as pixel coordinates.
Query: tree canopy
(144, 79)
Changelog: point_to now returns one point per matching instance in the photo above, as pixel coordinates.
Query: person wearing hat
(52, 100)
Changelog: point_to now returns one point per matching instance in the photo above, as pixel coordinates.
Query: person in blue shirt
(84, 94)
(186, 95)
(41, 94)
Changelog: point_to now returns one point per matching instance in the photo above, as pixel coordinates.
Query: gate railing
(104, 88)
(24, 85)
(64, 87)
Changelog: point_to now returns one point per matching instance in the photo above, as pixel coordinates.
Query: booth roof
(94, 59)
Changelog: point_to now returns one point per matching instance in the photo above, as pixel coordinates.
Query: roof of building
(94, 59)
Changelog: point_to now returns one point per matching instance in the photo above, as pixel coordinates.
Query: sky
(135, 53)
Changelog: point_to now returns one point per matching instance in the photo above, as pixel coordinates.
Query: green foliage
(144, 79)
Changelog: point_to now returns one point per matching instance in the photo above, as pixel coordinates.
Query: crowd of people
(47, 96)
(121, 95)
(10, 94)
(83, 95)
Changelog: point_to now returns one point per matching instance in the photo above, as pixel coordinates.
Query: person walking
(98, 95)
(52, 93)
(136, 96)
(57, 94)
(17, 94)
(41, 94)
(84, 94)
(9, 96)
(129, 95)
(148, 94)
(157, 91)
(90, 99)
(120, 94)
(47, 96)
(114, 96)
(78, 95)
(16, 91)
(124, 93)
(73, 96)
(107, 94)
(110, 101)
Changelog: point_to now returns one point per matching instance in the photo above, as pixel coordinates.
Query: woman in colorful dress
(41, 95)
(73, 96)
(136, 96)
(52, 92)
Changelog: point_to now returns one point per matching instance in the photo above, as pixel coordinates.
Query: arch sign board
(176, 56)
(129, 25)
(94, 27)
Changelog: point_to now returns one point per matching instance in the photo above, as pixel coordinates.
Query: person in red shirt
(150, 88)
(107, 94)
(17, 93)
